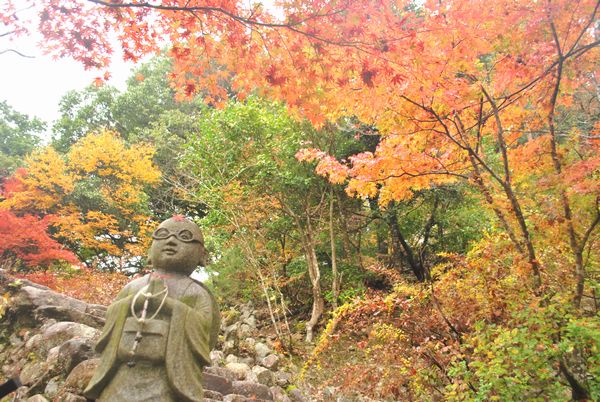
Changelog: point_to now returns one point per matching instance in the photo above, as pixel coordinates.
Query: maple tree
(93, 198)
(26, 238)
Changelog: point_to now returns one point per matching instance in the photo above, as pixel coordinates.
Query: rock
(222, 372)
(52, 356)
(228, 346)
(34, 342)
(217, 383)
(234, 398)
(283, 378)
(232, 331)
(246, 310)
(70, 397)
(263, 376)
(231, 358)
(79, 378)
(33, 372)
(247, 360)
(251, 376)
(217, 357)
(63, 331)
(271, 361)
(279, 394)
(46, 303)
(240, 369)
(261, 350)
(15, 341)
(214, 395)
(74, 351)
(52, 387)
(297, 396)
(20, 394)
(249, 343)
(37, 398)
(252, 390)
(251, 321)
(245, 330)
(47, 324)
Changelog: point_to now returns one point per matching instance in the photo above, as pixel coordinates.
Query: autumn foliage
(26, 239)
(93, 199)
(85, 284)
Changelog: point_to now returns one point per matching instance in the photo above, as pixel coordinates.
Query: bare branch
(17, 52)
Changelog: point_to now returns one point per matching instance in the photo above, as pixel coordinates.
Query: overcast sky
(35, 85)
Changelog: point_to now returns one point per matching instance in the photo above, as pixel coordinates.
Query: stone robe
(170, 357)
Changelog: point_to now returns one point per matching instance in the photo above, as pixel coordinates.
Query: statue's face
(178, 246)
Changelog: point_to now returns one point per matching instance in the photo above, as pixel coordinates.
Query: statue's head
(177, 246)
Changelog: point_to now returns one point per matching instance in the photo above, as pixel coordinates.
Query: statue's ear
(203, 260)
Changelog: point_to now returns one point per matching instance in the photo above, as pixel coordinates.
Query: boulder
(33, 372)
(74, 351)
(247, 360)
(279, 394)
(252, 390)
(297, 396)
(37, 398)
(52, 356)
(217, 383)
(239, 369)
(214, 395)
(81, 375)
(231, 358)
(217, 357)
(263, 375)
(245, 330)
(271, 361)
(234, 398)
(251, 321)
(261, 350)
(70, 397)
(46, 303)
(61, 332)
(221, 371)
(283, 378)
(34, 342)
(53, 387)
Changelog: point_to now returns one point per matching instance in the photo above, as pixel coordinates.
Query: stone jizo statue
(161, 328)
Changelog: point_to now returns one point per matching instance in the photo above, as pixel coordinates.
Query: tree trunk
(335, 285)
(315, 278)
(399, 244)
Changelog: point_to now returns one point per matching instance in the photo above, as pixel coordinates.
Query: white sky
(35, 86)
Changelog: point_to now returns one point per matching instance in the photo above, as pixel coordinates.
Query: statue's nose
(171, 240)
